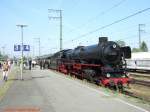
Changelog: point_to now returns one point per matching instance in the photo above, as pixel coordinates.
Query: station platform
(50, 91)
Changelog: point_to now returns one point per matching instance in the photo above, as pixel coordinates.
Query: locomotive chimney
(103, 40)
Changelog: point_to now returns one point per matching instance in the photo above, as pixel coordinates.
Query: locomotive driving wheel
(120, 87)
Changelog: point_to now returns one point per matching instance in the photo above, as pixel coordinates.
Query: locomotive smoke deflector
(126, 52)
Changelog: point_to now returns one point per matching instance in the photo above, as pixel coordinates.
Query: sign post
(21, 26)
(17, 47)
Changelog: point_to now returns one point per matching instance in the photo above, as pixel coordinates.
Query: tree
(0, 54)
(144, 47)
(136, 50)
(121, 43)
(3, 57)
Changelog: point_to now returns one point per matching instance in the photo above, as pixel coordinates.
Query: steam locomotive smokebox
(103, 40)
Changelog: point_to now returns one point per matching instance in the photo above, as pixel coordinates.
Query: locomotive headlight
(123, 76)
(108, 75)
(114, 46)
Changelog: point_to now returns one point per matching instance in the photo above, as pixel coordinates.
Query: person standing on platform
(0, 65)
(9, 63)
(44, 64)
(30, 63)
(5, 68)
(41, 64)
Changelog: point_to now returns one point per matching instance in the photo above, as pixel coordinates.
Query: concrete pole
(60, 30)
(21, 26)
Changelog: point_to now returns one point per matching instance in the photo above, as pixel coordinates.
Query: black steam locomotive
(103, 63)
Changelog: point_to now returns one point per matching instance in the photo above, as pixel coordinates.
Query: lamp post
(21, 26)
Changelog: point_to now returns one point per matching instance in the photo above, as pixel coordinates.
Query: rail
(141, 82)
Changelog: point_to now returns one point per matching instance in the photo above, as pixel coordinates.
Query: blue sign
(26, 48)
(17, 47)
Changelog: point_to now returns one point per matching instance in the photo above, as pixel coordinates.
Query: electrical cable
(108, 25)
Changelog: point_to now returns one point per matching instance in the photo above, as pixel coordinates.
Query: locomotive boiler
(105, 52)
(103, 63)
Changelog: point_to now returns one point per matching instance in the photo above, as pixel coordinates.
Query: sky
(79, 19)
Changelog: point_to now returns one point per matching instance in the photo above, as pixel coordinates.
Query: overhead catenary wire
(126, 30)
(108, 25)
(106, 11)
(99, 14)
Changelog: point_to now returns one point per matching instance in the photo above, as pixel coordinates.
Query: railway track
(139, 74)
(140, 78)
(140, 82)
